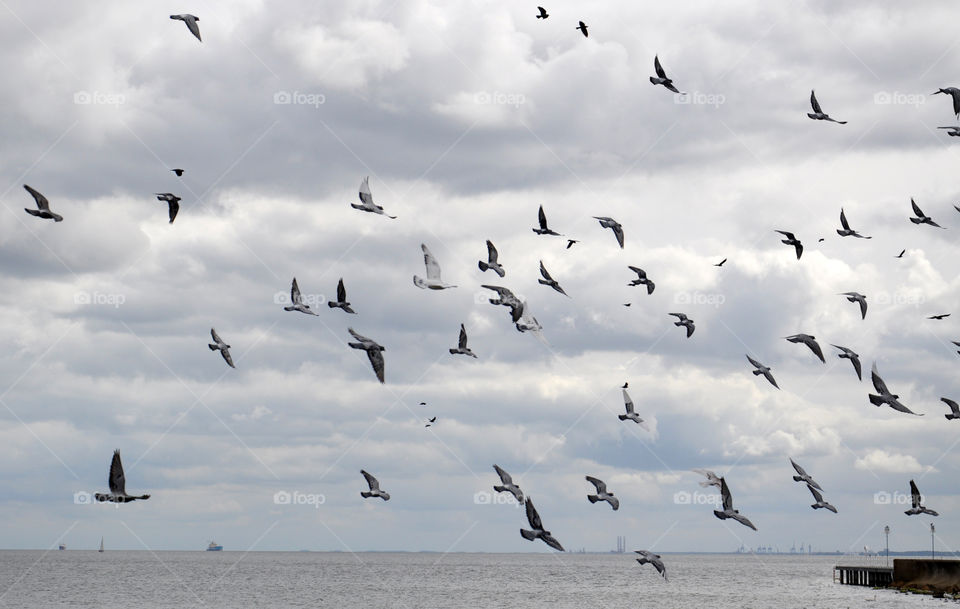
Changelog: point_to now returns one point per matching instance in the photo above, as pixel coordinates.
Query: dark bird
(583, 28)
(954, 131)
(820, 503)
(940, 316)
(764, 370)
(570, 243)
(373, 349)
(885, 397)
(853, 357)
(857, 298)
(846, 231)
(549, 281)
(374, 485)
(625, 385)
(602, 493)
(954, 409)
(662, 78)
(728, 511)
(191, 22)
(173, 203)
(954, 93)
(631, 413)
(653, 559)
(296, 300)
(916, 506)
(809, 341)
(803, 476)
(43, 206)
(118, 484)
(544, 229)
(900, 255)
(791, 240)
(543, 13)
(685, 321)
(222, 347)
(641, 279)
(630, 304)
(507, 299)
(721, 262)
(177, 171)
(612, 225)
(366, 200)
(507, 485)
(491, 262)
(462, 348)
(431, 421)
(818, 114)
(341, 301)
(921, 218)
(538, 531)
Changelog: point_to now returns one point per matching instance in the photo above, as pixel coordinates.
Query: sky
(467, 118)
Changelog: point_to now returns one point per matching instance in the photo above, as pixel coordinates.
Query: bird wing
(372, 482)
(341, 291)
(543, 271)
(816, 494)
(855, 359)
(843, 220)
(463, 338)
(786, 234)
(226, 356)
(600, 485)
(433, 268)
(914, 494)
(627, 402)
(743, 520)
(491, 253)
(533, 517)
(640, 272)
(916, 208)
(618, 231)
(658, 68)
(878, 383)
(41, 200)
(814, 103)
(504, 476)
(815, 347)
(173, 207)
(365, 197)
(954, 407)
(679, 316)
(799, 469)
(755, 362)
(191, 22)
(376, 360)
(863, 306)
(542, 216)
(216, 337)
(553, 543)
(359, 337)
(295, 297)
(117, 481)
(725, 493)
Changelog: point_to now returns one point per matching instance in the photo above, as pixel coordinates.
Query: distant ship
(214, 547)
(63, 546)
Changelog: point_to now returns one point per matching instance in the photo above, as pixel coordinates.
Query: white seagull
(491, 263)
(462, 348)
(433, 280)
(631, 413)
(374, 485)
(820, 503)
(653, 559)
(507, 484)
(43, 206)
(367, 200)
(296, 300)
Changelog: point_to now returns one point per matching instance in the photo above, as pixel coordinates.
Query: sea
(240, 580)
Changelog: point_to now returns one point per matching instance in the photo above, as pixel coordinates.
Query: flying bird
(491, 262)
(529, 323)
(885, 397)
(728, 511)
(297, 300)
(712, 478)
(662, 78)
(191, 22)
(954, 131)
(803, 476)
(550, 281)
(916, 506)
(846, 231)
(900, 255)
(940, 316)
(602, 493)
(764, 370)
(921, 218)
(858, 298)
(433, 280)
(954, 409)
(809, 341)
(612, 225)
(631, 413)
(373, 349)
(118, 484)
(538, 531)
(507, 299)
(462, 348)
(641, 279)
(721, 262)
(506, 484)
(431, 421)
(366, 200)
(818, 114)
(173, 203)
(177, 171)
(543, 13)
(653, 559)
(570, 243)
(820, 503)
(374, 485)
(583, 28)
(954, 93)
(853, 357)
(43, 206)
(544, 229)
(341, 301)
(222, 347)
(791, 240)
(685, 321)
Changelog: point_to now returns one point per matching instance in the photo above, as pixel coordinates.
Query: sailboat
(101, 545)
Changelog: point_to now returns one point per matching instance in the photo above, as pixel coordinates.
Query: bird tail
(419, 283)
(653, 80)
(213, 347)
(385, 496)
(331, 305)
(622, 417)
(720, 515)
(593, 498)
(141, 497)
(528, 535)
(366, 494)
(797, 479)
(483, 265)
(876, 400)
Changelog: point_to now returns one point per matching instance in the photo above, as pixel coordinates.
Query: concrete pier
(860, 575)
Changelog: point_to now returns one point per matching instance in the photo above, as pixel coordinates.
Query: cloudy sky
(467, 117)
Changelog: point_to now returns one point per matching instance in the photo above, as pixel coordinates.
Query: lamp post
(933, 555)
(886, 531)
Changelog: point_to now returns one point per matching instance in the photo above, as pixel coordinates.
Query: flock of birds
(523, 320)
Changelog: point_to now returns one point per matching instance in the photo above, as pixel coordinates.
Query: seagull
(662, 78)
(506, 299)
(431, 422)
(803, 476)
(43, 206)
(118, 484)
(173, 203)
(297, 300)
(712, 478)
(853, 357)
(373, 350)
(602, 493)
(728, 511)
(791, 240)
(954, 409)
(433, 280)
(529, 323)
(721, 262)
(583, 28)
(462, 348)
(222, 347)
(543, 13)
(764, 370)
(847, 231)
(818, 114)
(955, 94)
(491, 262)
(550, 281)
(900, 255)
(940, 316)
(684, 321)
(538, 531)
(570, 243)
(507, 484)
(544, 230)
(921, 218)
(191, 22)
(885, 397)
(858, 298)
(641, 279)
(915, 499)
(653, 559)
(612, 225)
(341, 301)
(809, 341)
(367, 200)
(374, 485)
(631, 413)
(820, 503)
(953, 131)
(177, 171)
